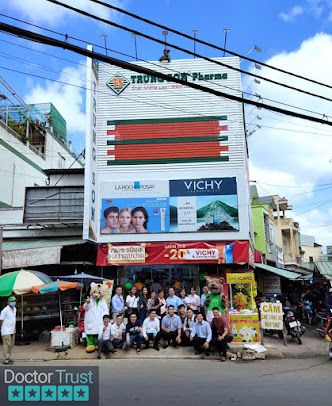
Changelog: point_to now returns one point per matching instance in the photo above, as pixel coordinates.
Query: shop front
(183, 265)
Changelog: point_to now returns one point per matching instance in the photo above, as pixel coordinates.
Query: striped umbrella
(57, 286)
(21, 282)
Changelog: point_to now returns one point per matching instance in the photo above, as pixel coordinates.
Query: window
(311, 259)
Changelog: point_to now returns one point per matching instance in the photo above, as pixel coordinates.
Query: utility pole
(104, 36)
(226, 30)
(135, 45)
(194, 35)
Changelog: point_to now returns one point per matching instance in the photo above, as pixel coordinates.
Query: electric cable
(163, 27)
(139, 33)
(133, 67)
(140, 59)
(292, 130)
(289, 122)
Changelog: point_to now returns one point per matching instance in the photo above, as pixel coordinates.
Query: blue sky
(293, 34)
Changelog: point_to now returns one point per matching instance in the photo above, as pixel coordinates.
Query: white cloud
(291, 14)
(317, 223)
(68, 100)
(46, 12)
(295, 158)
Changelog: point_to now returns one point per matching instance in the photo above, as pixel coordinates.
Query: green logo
(118, 83)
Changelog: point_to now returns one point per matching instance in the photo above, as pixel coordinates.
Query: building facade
(28, 146)
(177, 157)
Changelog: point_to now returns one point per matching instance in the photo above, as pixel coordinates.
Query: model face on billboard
(112, 220)
(125, 221)
(140, 219)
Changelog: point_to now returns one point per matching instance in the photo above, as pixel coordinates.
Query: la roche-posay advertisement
(169, 206)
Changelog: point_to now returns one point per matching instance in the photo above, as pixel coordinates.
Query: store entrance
(177, 276)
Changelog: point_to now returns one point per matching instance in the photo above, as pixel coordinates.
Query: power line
(195, 39)
(85, 13)
(140, 59)
(78, 156)
(288, 122)
(293, 131)
(140, 69)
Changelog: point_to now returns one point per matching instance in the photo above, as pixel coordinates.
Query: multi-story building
(32, 138)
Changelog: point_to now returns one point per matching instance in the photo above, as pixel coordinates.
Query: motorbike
(330, 346)
(321, 327)
(294, 327)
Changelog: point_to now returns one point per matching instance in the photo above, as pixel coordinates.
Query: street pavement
(162, 382)
(313, 346)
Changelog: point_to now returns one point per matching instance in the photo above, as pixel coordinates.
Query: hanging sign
(124, 254)
(240, 278)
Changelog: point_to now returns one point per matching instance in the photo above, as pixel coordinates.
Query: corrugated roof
(26, 244)
(278, 271)
(325, 269)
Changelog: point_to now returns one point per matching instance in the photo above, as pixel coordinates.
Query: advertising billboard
(169, 206)
(164, 161)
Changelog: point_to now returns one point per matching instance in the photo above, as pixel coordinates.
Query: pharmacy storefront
(166, 179)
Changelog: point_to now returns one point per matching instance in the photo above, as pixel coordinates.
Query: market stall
(243, 314)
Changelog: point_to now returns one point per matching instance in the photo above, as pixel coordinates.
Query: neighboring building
(329, 253)
(267, 212)
(311, 251)
(31, 140)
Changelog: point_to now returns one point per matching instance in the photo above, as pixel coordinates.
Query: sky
(289, 157)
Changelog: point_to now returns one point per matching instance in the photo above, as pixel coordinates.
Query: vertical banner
(90, 193)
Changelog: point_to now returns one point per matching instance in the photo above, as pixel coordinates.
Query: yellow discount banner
(240, 278)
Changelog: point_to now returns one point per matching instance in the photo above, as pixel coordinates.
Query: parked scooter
(321, 328)
(294, 327)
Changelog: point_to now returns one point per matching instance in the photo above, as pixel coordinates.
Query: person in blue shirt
(118, 304)
(201, 335)
(173, 300)
(171, 328)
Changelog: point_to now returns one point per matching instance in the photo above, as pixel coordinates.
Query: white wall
(314, 252)
(21, 167)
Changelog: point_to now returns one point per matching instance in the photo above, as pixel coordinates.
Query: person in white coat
(95, 309)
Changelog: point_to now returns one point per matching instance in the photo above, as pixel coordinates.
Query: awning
(21, 253)
(325, 269)
(278, 271)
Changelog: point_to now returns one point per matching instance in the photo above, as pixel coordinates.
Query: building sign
(271, 284)
(125, 254)
(240, 278)
(91, 181)
(184, 205)
(172, 253)
(163, 160)
(271, 316)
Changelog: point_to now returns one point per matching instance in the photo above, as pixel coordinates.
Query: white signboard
(168, 149)
(271, 316)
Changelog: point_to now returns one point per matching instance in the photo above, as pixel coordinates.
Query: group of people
(125, 220)
(176, 320)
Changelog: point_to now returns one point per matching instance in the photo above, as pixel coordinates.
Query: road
(190, 382)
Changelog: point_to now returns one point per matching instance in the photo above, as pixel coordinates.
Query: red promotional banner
(173, 253)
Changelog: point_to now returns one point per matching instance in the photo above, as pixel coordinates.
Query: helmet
(330, 290)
